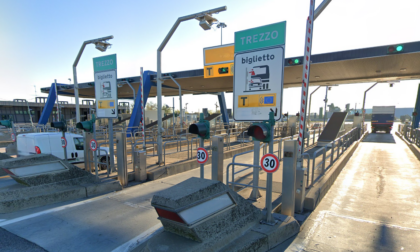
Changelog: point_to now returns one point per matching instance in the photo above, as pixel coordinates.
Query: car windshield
(78, 143)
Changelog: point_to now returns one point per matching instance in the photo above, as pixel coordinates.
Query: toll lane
(373, 205)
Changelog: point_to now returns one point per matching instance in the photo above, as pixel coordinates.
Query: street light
(101, 45)
(221, 26)
(205, 21)
(364, 97)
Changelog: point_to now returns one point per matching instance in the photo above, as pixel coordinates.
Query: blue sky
(40, 40)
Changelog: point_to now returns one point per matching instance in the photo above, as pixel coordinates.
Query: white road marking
(136, 241)
(29, 216)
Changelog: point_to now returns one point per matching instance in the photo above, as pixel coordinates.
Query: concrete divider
(321, 187)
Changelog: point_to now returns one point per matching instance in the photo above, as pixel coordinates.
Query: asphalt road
(374, 205)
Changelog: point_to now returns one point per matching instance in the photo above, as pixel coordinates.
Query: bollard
(300, 192)
(217, 158)
(139, 166)
(289, 177)
(122, 158)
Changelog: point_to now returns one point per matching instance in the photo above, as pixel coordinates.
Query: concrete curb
(321, 187)
(412, 147)
(169, 170)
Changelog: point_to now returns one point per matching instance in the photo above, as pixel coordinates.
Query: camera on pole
(202, 128)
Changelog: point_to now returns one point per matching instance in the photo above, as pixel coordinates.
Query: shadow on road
(380, 138)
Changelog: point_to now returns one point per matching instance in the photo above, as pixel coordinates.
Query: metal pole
(255, 194)
(321, 8)
(310, 102)
(95, 158)
(56, 95)
(111, 145)
(65, 148)
(159, 69)
(364, 100)
(143, 114)
(201, 165)
(325, 105)
(76, 61)
(173, 116)
(180, 101)
(269, 190)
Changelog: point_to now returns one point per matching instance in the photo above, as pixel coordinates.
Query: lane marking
(57, 209)
(138, 240)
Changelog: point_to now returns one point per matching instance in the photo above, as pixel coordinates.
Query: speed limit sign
(63, 142)
(202, 155)
(269, 163)
(13, 136)
(93, 145)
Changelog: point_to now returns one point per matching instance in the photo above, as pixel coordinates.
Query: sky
(40, 40)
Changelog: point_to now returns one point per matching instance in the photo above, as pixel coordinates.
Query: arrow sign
(113, 112)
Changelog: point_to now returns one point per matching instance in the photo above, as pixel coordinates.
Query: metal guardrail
(410, 134)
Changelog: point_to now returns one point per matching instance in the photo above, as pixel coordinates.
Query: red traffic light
(260, 132)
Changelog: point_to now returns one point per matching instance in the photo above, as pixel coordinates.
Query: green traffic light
(296, 61)
(399, 48)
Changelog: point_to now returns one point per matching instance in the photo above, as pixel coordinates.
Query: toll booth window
(79, 143)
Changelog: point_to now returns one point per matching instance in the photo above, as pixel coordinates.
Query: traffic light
(87, 126)
(395, 49)
(260, 132)
(61, 125)
(6, 123)
(224, 70)
(202, 128)
(295, 61)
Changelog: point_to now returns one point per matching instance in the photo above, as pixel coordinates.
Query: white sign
(269, 163)
(202, 155)
(258, 84)
(63, 142)
(106, 94)
(93, 145)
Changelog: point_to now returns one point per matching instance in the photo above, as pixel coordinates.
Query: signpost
(259, 68)
(106, 95)
(93, 145)
(202, 155)
(270, 163)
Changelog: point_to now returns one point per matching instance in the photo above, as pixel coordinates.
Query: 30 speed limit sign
(13, 136)
(93, 145)
(202, 155)
(63, 142)
(269, 163)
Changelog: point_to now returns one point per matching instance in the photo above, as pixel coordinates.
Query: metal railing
(410, 134)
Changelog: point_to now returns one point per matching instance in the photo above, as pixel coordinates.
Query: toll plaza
(262, 176)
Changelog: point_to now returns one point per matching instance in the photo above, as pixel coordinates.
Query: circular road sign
(63, 142)
(93, 145)
(202, 155)
(269, 163)
(13, 136)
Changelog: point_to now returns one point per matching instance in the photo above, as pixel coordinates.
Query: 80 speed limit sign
(202, 155)
(269, 163)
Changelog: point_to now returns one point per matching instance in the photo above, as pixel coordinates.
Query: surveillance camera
(205, 25)
(102, 46)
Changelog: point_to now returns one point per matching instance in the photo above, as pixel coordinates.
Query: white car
(50, 143)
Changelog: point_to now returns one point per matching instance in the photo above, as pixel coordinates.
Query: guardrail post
(255, 194)
(313, 140)
(139, 166)
(289, 178)
(332, 152)
(216, 159)
(324, 159)
(122, 158)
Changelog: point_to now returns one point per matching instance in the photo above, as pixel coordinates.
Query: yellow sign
(257, 100)
(106, 104)
(220, 70)
(219, 54)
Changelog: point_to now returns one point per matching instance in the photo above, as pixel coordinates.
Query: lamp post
(221, 25)
(206, 20)
(101, 45)
(325, 104)
(310, 102)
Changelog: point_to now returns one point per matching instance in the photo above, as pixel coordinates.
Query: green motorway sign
(105, 63)
(260, 37)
